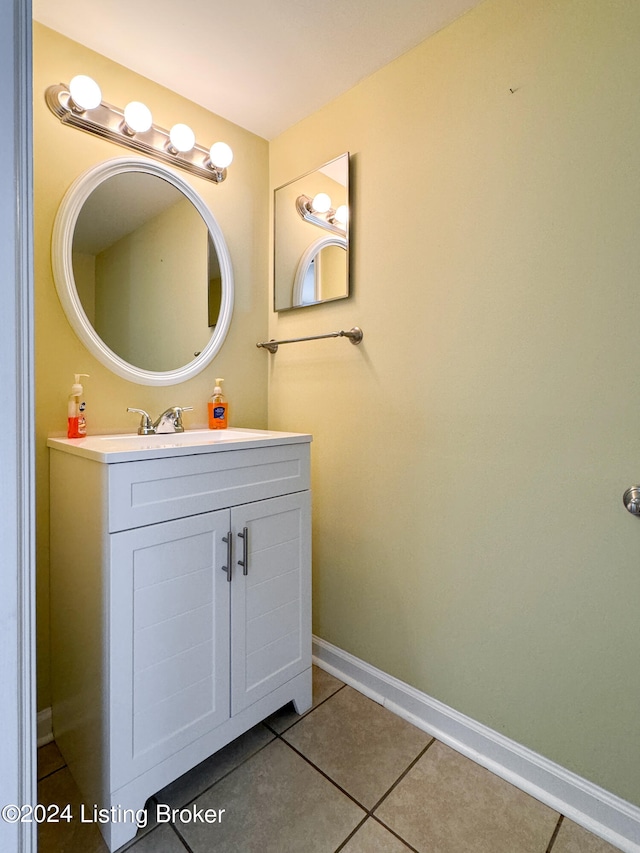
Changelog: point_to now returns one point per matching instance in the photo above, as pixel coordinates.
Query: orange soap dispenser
(218, 408)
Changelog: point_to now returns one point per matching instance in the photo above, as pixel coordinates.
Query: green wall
(470, 457)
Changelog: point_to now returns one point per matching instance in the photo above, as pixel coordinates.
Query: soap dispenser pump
(76, 423)
(218, 408)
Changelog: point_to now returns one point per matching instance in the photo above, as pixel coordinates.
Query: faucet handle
(146, 426)
(178, 425)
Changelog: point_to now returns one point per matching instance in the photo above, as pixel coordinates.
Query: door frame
(17, 514)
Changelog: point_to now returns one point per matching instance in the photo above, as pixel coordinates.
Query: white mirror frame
(61, 259)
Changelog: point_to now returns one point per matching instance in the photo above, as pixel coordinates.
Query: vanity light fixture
(318, 211)
(137, 118)
(80, 105)
(221, 154)
(181, 139)
(84, 93)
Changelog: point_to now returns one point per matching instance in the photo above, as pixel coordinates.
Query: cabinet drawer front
(155, 490)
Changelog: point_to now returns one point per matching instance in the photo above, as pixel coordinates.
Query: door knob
(631, 499)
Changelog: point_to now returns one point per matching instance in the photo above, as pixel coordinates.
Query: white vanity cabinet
(180, 603)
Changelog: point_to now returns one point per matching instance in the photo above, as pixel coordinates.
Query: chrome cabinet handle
(228, 568)
(244, 562)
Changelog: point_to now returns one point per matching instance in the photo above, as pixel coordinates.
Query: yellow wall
(240, 206)
(469, 458)
(333, 264)
(152, 290)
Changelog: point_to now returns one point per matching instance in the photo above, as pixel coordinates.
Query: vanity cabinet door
(169, 639)
(271, 603)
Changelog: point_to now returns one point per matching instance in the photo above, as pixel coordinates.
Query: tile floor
(347, 776)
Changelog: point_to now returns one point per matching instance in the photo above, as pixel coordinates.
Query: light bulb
(181, 137)
(220, 155)
(342, 214)
(138, 117)
(85, 92)
(321, 203)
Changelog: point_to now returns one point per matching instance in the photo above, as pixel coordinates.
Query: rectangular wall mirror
(311, 240)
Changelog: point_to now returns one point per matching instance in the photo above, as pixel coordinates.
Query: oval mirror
(142, 271)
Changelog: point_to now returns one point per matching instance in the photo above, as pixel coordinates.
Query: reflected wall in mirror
(143, 271)
(311, 247)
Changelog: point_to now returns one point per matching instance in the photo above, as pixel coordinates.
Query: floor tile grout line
(305, 715)
(356, 829)
(229, 772)
(322, 773)
(393, 832)
(368, 810)
(50, 773)
(555, 834)
(351, 834)
(403, 774)
(181, 838)
(276, 736)
(279, 736)
(264, 723)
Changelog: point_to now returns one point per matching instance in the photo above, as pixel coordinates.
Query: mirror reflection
(146, 271)
(311, 240)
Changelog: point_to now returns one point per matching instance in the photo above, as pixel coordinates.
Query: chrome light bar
(108, 122)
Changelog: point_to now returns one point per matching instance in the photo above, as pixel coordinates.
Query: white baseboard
(44, 730)
(597, 810)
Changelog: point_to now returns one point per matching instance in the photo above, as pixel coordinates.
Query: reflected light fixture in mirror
(80, 105)
(318, 211)
(341, 216)
(321, 203)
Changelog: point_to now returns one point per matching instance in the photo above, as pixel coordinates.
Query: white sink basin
(178, 439)
(130, 446)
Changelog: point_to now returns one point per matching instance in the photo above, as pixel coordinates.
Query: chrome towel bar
(355, 336)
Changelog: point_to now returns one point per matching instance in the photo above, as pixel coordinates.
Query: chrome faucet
(169, 421)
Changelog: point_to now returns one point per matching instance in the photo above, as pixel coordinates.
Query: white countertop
(132, 447)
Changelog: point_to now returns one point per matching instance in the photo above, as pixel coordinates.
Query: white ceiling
(263, 64)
